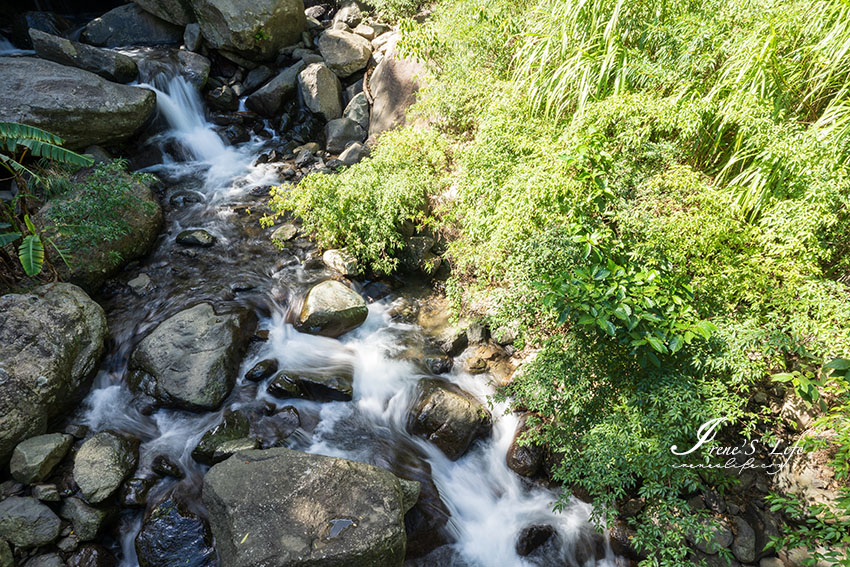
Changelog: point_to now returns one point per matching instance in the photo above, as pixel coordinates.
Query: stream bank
(233, 360)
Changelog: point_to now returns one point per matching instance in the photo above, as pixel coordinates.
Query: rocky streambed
(232, 395)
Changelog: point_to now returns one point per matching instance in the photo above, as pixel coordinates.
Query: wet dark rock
(47, 22)
(269, 100)
(256, 78)
(532, 537)
(34, 459)
(525, 459)
(254, 29)
(236, 134)
(92, 556)
(102, 113)
(342, 132)
(196, 237)
(331, 309)
(110, 65)
(234, 426)
(178, 12)
(223, 98)
(448, 417)
(86, 520)
(261, 370)
(191, 359)
(25, 522)
(164, 466)
(453, 341)
(172, 535)
(130, 25)
(325, 386)
(320, 510)
(192, 38)
(51, 341)
(438, 363)
(102, 464)
(134, 492)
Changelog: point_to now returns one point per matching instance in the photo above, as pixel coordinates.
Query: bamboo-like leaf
(31, 254)
(8, 238)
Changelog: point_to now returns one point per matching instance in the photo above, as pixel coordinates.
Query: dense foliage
(656, 191)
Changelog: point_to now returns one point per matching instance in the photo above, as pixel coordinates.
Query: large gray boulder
(77, 105)
(393, 86)
(344, 53)
(110, 65)
(34, 459)
(256, 29)
(140, 213)
(51, 341)
(26, 522)
(178, 12)
(190, 360)
(271, 97)
(102, 464)
(331, 309)
(130, 25)
(448, 417)
(321, 90)
(318, 511)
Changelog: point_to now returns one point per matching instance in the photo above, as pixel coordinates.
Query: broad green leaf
(9, 237)
(31, 255)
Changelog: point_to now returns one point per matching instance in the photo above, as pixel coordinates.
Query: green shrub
(364, 208)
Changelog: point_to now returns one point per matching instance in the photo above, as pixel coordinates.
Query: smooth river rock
(102, 464)
(331, 309)
(25, 522)
(81, 107)
(51, 341)
(318, 511)
(269, 100)
(34, 459)
(110, 65)
(191, 359)
(256, 29)
(448, 417)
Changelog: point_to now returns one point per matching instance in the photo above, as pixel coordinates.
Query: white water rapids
(488, 503)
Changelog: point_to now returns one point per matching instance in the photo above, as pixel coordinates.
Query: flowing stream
(483, 504)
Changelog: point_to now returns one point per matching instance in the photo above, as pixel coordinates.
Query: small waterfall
(6, 48)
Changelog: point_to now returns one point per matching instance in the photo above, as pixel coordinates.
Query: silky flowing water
(214, 188)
